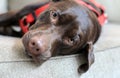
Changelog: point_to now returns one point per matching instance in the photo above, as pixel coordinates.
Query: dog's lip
(28, 53)
(39, 59)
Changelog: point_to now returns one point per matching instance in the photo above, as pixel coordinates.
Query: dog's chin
(40, 59)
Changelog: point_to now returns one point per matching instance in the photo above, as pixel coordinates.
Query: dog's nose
(37, 45)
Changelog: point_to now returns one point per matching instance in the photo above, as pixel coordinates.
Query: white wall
(3, 6)
(18, 4)
(112, 9)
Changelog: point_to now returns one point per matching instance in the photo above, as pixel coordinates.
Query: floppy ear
(97, 26)
(89, 58)
(88, 49)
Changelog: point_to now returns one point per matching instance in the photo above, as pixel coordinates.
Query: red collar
(29, 19)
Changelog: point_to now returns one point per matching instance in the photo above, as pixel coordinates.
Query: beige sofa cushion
(112, 9)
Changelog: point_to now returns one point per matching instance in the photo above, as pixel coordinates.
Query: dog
(64, 27)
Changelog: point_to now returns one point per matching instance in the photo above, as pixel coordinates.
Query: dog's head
(64, 28)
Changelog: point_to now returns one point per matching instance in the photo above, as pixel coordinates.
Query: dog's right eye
(56, 0)
(54, 16)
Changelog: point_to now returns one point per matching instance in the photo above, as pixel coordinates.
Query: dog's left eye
(71, 40)
(75, 39)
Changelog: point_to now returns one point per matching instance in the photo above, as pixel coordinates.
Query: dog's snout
(37, 45)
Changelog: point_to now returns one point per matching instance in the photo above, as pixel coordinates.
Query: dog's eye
(68, 41)
(54, 17)
(54, 14)
(56, 0)
(72, 40)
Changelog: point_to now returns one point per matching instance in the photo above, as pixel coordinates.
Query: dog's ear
(88, 56)
(88, 49)
(96, 24)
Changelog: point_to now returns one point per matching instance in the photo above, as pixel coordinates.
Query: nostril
(37, 49)
(33, 43)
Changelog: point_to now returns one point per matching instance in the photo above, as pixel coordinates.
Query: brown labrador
(64, 28)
